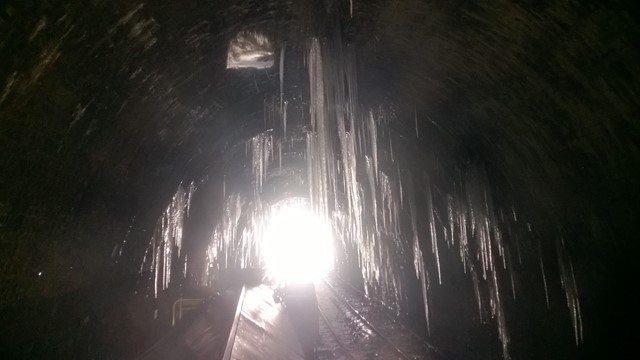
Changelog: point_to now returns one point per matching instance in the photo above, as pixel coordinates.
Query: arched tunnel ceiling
(106, 106)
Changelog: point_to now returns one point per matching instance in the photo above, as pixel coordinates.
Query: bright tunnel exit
(297, 245)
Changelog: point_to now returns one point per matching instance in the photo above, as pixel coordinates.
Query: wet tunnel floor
(349, 328)
(334, 316)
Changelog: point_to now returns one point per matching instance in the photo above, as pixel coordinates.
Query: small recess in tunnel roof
(250, 49)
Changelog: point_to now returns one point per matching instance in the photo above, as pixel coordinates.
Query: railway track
(348, 331)
(382, 310)
(344, 350)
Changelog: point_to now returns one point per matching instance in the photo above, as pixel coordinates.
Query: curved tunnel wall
(106, 107)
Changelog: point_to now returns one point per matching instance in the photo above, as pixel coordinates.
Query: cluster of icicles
(165, 245)
(383, 205)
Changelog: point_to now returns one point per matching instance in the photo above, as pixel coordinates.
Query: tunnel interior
(477, 164)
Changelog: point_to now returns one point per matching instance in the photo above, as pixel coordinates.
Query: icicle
(432, 226)
(372, 186)
(498, 312)
(418, 260)
(544, 276)
(126, 237)
(156, 278)
(167, 235)
(569, 285)
(282, 52)
(476, 291)
(374, 142)
(511, 277)
(280, 156)
(184, 272)
(451, 221)
(284, 120)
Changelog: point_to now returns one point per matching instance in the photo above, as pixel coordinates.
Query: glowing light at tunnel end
(297, 246)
